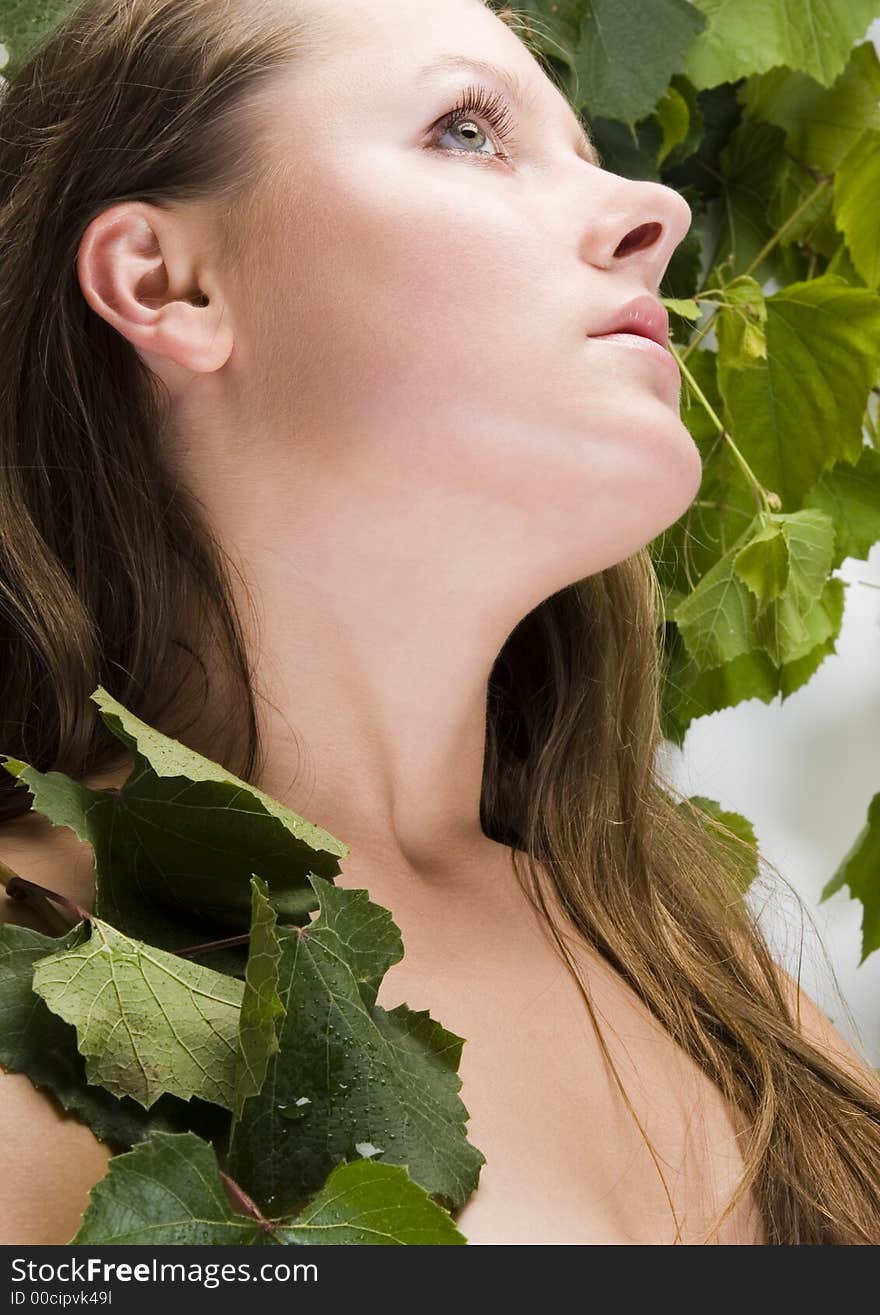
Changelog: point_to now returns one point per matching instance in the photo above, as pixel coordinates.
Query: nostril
(638, 238)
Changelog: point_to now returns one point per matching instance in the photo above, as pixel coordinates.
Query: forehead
(381, 48)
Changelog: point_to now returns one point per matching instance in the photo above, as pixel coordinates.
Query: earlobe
(136, 270)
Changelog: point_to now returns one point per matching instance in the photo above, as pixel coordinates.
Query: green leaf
(673, 115)
(860, 870)
(857, 205)
(628, 51)
(743, 325)
(743, 865)
(722, 618)
(800, 411)
(824, 621)
(176, 846)
(168, 1191)
(147, 1021)
(690, 309)
(850, 496)
(821, 124)
(347, 1073)
(815, 36)
(689, 692)
(750, 164)
(261, 1006)
(25, 25)
(365, 1203)
(764, 563)
(35, 1041)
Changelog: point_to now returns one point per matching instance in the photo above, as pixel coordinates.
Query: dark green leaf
(348, 1074)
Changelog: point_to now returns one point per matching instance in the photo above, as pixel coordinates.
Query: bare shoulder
(49, 1161)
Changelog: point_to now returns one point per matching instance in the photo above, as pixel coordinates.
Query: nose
(641, 224)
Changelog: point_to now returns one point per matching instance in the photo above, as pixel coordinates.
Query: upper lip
(643, 315)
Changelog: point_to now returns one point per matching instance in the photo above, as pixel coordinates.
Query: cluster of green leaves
(765, 116)
(275, 1053)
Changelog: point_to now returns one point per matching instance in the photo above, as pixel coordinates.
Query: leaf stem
(248, 1206)
(766, 501)
(216, 945)
(19, 888)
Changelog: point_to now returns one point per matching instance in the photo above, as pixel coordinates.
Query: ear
(139, 268)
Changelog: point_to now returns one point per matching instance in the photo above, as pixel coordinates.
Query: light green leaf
(176, 846)
(347, 1072)
(261, 1007)
(688, 308)
(722, 618)
(689, 692)
(799, 412)
(673, 115)
(860, 870)
(815, 36)
(824, 620)
(743, 864)
(850, 496)
(147, 1021)
(857, 205)
(764, 563)
(821, 124)
(168, 1191)
(742, 328)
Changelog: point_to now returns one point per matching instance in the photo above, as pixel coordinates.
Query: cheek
(404, 286)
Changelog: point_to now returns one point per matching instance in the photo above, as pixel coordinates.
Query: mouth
(647, 348)
(643, 317)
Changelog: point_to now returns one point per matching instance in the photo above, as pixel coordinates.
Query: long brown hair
(109, 574)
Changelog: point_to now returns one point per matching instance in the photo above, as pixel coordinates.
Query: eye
(477, 102)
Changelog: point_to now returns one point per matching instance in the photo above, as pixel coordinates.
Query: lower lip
(647, 346)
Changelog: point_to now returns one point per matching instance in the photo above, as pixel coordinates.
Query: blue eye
(490, 106)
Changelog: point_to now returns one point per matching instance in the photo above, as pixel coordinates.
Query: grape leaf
(627, 52)
(764, 563)
(175, 847)
(722, 618)
(850, 496)
(815, 36)
(750, 163)
(856, 202)
(742, 864)
(860, 870)
(35, 1041)
(167, 1191)
(148, 1022)
(347, 1072)
(690, 692)
(821, 124)
(261, 1006)
(801, 410)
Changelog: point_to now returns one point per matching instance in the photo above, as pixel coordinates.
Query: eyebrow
(522, 96)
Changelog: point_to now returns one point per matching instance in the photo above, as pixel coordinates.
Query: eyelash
(477, 102)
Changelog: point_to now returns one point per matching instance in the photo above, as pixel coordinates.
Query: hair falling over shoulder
(109, 575)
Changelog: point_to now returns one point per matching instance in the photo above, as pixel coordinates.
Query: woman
(317, 459)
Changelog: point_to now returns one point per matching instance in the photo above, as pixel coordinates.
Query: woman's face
(421, 333)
